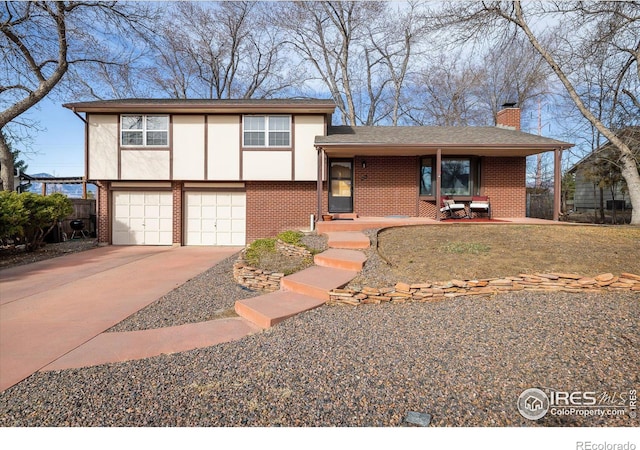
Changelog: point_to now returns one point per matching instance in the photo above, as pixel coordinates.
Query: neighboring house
(226, 172)
(587, 193)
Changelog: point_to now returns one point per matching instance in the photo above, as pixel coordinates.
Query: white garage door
(142, 218)
(215, 218)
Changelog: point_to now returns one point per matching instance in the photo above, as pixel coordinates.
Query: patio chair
(480, 204)
(450, 208)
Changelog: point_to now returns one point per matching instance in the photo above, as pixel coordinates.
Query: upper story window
(266, 131)
(144, 131)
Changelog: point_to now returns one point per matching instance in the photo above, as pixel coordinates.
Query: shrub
(291, 237)
(258, 248)
(13, 215)
(35, 215)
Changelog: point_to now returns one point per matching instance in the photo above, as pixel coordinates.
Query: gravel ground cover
(464, 361)
(211, 295)
(208, 296)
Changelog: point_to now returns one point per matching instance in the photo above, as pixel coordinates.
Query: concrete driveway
(51, 307)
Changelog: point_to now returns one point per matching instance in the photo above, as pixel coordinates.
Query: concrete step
(270, 309)
(317, 281)
(341, 259)
(345, 216)
(347, 239)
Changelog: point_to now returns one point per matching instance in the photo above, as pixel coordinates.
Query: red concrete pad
(341, 259)
(115, 347)
(270, 309)
(23, 281)
(37, 329)
(317, 281)
(347, 239)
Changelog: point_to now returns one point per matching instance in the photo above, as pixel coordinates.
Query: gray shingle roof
(435, 136)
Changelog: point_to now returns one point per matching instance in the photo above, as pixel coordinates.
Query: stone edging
(264, 280)
(539, 282)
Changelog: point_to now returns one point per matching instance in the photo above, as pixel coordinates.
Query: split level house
(226, 172)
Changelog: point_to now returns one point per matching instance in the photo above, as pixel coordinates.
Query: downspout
(86, 152)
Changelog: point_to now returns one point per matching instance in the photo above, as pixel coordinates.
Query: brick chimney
(509, 117)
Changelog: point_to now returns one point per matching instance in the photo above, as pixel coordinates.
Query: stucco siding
(223, 162)
(145, 165)
(103, 147)
(188, 147)
(266, 165)
(306, 158)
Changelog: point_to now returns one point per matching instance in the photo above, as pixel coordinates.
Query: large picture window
(460, 176)
(266, 131)
(144, 131)
(456, 176)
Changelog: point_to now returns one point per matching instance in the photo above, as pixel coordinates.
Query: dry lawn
(467, 251)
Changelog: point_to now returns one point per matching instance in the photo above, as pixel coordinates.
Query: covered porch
(373, 172)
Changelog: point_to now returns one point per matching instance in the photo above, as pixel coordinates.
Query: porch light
(364, 164)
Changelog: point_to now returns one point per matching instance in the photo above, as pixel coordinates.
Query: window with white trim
(266, 131)
(144, 131)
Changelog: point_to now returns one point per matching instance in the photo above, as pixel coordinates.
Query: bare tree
(393, 37)
(597, 28)
(464, 88)
(444, 94)
(219, 50)
(361, 51)
(511, 70)
(42, 41)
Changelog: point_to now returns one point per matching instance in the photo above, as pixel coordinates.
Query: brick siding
(176, 190)
(388, 185)
(276, 206)
(103, 220)
(503, 180)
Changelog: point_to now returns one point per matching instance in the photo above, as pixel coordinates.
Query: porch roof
(412, 141)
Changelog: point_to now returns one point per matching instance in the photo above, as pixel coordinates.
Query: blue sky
(59, 148)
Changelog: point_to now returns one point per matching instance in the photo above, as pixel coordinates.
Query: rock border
(538, 282)
(260, 279)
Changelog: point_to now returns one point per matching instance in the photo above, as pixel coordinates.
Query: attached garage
(215, 218)
(142, 218)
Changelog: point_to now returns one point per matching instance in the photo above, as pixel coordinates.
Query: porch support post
(319, 184)
(438, 180)
(557, 183)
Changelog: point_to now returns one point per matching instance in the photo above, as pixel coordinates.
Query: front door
(340, 185)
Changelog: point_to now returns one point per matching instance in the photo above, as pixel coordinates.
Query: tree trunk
(6, 166)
